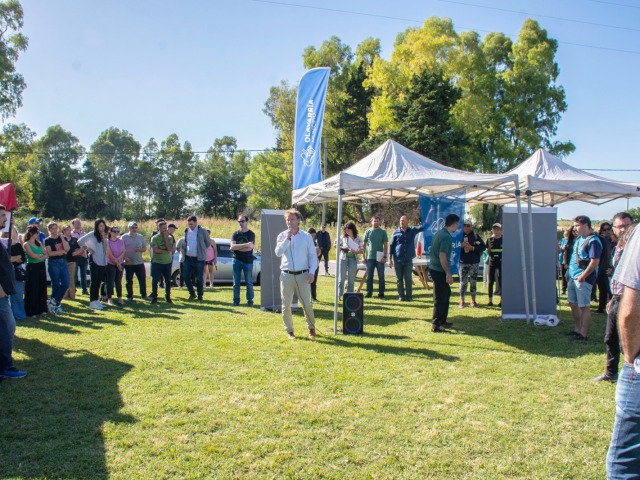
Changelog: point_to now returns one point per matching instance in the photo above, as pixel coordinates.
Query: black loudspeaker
(352, 313)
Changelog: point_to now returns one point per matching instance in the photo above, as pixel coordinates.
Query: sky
(203, 69)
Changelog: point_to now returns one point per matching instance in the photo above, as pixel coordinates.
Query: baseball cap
(33, 220)
(496, 225)
(468, 221)
(132, 224)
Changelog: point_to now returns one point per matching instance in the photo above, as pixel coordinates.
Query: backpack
(605, 257)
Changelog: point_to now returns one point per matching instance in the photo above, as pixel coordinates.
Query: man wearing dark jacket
(7, 320)
(471, 249)
(324, 242)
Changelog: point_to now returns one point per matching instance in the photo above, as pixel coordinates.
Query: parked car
(224, 268)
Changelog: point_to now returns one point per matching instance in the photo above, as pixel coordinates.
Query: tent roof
(394, 173)
(553, 181)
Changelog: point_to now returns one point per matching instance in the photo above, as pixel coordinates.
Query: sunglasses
(606, 229)
(242, 221)
(115, 231)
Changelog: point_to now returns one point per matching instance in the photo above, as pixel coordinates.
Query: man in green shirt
(162, 245)
(439, 256)
(376, 243)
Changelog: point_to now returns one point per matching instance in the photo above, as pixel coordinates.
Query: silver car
(224, 267)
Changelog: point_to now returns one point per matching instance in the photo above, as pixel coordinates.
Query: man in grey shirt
(134, 247)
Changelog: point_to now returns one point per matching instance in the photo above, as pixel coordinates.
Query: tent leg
(534, 300)
(338, 232)
(524, 258)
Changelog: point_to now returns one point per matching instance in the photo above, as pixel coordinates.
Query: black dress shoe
(438, 329)
(447, 324)
(169, 300)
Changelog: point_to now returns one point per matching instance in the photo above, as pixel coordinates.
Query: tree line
(478, 104)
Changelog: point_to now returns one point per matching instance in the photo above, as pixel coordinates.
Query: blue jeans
(623, 459)
(59, 274)
(191, 263)
(348, 270)
(81, 263)
(7, 330)
(404, 272)
(247, 268)
(379, 267)
(17, 302)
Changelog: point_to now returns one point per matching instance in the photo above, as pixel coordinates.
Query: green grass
(211, 391)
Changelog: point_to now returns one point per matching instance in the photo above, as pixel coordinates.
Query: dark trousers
(81, 264)
(158, 271)
(441, 296)
(404, 272)
(98, 277)
(35, 289)
(612, 339)
(114, 279)
(324, 253)
(565, 268)
(314, 285)
(604, 291)
(372, 265)
(141, 275)
(192, 264)
(495, 277)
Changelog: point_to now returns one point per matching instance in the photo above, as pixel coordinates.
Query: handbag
(20, 273)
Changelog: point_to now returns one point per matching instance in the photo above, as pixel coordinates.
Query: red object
(419, 252)
(8, 196)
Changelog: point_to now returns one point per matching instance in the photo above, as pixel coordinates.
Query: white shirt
(192, 242)
(296, 254)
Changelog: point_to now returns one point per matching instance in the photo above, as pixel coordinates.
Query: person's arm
(142, 248)
(364, 251)
(215, 251)
(629, 323)
(54, 253)
(393, 249)
(313, 260)
(282, 244)
(31, 254)
(385, 250)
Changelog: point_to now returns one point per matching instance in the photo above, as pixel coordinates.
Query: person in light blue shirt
(298, 263)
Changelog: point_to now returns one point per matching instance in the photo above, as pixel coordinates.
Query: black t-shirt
(494, 249)
(7, 276)
(240, 238)
(16, 249)
(55, 244)
(73, 246)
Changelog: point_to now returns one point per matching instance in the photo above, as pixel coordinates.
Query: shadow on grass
(549, 341)
(52, 420)
(346, 342)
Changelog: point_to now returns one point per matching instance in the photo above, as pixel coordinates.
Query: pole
(338, 273)
(532, 265)
(523, 254)
(324, 205)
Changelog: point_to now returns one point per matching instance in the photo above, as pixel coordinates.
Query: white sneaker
(111, 302)
(58, 310)
(96, 305)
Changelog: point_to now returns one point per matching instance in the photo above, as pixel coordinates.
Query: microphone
(289, 228)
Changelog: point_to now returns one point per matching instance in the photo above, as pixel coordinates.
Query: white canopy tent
(548, 181)
(393, 173)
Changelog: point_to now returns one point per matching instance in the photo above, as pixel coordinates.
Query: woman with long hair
(96, 244)
(350, 245)
(115, 262)
(72, 255)
(35, 288)
(57, 248)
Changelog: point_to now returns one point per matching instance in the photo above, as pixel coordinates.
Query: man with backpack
(582, 273)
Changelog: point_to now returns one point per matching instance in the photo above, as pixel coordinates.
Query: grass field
(211, 391)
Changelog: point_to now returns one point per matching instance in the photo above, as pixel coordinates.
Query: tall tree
(269, 180)
(223, 192)
(113, 155)
(176, 184)
(55, 189)
(12, 42)
(17, 163)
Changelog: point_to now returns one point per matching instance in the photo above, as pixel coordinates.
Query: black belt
(616, 297)
(192, 256)
(298, 272)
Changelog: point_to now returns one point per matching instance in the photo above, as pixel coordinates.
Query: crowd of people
(584, 256)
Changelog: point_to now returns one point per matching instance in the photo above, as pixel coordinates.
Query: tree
(424, 119)
(55, 189)
(17, 163)
(176, 183)
(269, 180)
(113, 156)
(12, 42)
(223, 192)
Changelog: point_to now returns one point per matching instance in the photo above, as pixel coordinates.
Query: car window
(224, 251)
